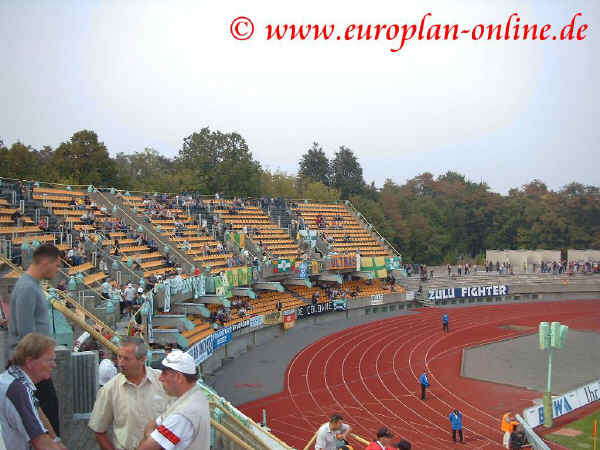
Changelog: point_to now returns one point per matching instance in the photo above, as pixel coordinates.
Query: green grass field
(585, 440)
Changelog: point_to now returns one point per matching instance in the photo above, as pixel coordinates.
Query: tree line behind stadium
(429, 220)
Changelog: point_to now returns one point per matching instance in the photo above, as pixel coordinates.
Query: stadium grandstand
(217, 277)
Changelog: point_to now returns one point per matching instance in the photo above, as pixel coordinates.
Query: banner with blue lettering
(303, 272)
(564, 404)
(202, 350)
(464, 292)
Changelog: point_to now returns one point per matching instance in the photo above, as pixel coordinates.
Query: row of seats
(359, 238)
(264, 233)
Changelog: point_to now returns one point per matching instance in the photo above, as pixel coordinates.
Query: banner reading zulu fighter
(463, 292)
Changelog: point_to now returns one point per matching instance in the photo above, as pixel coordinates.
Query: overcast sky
(148, 73)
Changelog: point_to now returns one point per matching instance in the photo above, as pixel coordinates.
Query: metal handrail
(229, 434)
(372, 227)
(149, 231)
(236, 420)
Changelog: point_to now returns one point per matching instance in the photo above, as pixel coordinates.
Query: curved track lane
(369, 374)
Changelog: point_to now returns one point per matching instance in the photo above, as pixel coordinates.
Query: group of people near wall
(139, 408)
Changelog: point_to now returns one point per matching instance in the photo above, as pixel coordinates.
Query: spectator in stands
(103, 267)
(137, 388)
(331, 432)
(129, 293)
(383, 440)
(24, 424)
(29, 313)
(456, 421)
(137, 262)
(315, 297)
(139, 297)
(77, 256)
(70, 254)
(43, 224)
(424, 382)
(186, 421)
(105, 288)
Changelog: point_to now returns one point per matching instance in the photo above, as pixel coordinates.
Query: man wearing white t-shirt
(186, 422)
(331, 432)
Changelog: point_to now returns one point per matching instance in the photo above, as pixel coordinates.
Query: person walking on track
(456, 421)
(508, 424)
(445, 326)
(424, 382)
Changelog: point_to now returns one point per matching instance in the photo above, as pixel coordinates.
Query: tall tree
(314, 165)
(318, 192)
(20, 161)
(221, 162)
(145, 171)
(85, 160)
(346, 173)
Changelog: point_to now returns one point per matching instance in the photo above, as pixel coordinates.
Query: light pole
(552, 336)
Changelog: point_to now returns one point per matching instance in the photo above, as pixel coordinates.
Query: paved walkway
(520, 362)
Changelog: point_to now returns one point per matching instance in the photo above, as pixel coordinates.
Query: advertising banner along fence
(339, 262)
(202, 350)
(320, 308)
(375, 264)
(564, 404)
(289, 319)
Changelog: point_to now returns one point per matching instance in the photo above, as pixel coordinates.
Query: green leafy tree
(20, 161)
(318, 192)
(314, 165)
(221, 162)
(346, 173)
(85, 160)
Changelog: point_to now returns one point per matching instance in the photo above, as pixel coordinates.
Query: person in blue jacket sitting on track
(424, 381)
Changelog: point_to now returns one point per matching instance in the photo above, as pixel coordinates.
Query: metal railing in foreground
(233, 429)
(534, 439)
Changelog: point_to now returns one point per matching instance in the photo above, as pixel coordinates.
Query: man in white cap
(186, 422)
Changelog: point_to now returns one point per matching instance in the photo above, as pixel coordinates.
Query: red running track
(369, 374)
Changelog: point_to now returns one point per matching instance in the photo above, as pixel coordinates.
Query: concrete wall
(583, 255)
(522, 260)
